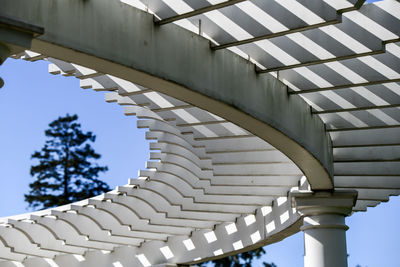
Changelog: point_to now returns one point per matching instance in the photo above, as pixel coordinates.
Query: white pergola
(266, 117)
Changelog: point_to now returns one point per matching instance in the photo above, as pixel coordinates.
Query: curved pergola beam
(122, 41)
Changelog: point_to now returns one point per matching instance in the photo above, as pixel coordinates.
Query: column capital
(324, 202)
(4, 54)
(15, 37)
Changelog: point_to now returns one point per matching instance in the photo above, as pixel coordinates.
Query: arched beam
(114, 38)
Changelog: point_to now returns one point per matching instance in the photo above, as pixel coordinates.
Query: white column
(324, 226)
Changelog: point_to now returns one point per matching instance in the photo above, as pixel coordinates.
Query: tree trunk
(66, 178)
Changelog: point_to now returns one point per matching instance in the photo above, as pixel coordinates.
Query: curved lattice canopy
(215, 184)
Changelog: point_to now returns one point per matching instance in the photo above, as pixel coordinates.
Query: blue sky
(32, 98)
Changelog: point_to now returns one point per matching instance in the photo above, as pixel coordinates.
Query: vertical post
(324, 226)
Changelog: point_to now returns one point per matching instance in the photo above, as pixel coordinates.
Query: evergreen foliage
(244, 259)
(66, 171)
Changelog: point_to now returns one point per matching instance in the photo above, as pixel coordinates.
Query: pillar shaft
(325, 241)
(324, 226)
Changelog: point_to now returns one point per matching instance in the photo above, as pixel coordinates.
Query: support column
(324, 226)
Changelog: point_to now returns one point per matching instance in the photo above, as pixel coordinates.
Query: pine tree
(244, 259)
(66, 171)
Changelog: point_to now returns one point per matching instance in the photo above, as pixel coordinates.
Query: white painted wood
(212, 187)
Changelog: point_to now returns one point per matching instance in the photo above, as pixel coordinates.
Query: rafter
(344, 86)
(197, 12)
(355, 109)
(356, 6)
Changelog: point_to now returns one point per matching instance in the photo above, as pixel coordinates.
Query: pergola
(266, 117)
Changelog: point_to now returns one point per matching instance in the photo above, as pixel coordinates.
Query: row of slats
(346, 66)
(183, 194)
(342, 57)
